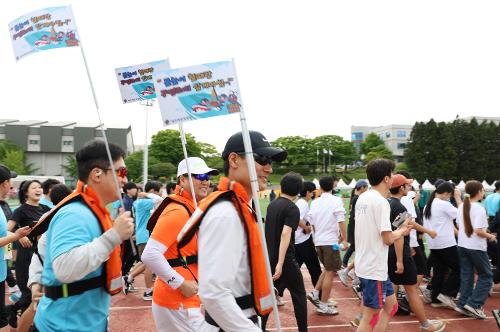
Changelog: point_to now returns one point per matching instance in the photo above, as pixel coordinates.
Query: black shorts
(409, 275)
(420, 261)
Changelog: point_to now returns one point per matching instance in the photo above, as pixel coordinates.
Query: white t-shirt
(300, 237)
(441, 221)
(325, 214)
(407, 202)
(479, 220)
(373, 214)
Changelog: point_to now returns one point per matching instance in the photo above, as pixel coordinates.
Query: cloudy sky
(304, 67)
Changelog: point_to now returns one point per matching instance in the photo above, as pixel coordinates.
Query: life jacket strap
(183, 261)
(74, 288)
(244, 302)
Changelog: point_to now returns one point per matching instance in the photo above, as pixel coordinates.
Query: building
(48, 144)
(394, 136)
(481, 119)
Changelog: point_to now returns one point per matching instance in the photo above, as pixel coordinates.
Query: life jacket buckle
(64, 288)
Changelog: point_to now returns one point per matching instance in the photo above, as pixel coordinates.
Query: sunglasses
(121, 172)
(261, 160)
(202, 177)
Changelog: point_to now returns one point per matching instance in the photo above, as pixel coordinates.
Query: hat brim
(13, 174)
(276, 154)
(207, 170)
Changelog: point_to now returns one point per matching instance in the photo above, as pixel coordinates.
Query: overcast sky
(304, 67)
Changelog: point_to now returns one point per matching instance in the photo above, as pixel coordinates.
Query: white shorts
(182, 320)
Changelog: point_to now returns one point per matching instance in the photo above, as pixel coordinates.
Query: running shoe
(331, 303)
(477, 312)
(447, 300)
(126, 285)
(326, 311)
(314, 299)
(147, 296)
(358, 291)
(463, 311)
(437, 325)
(426, 294)
(344, 277)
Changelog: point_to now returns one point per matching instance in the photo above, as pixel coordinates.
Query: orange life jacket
(112, 271)
(234, 192)
(177, 197)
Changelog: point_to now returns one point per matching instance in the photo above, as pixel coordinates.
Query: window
(34, 142)
(68, 143)
(357, 136)
(401, 146)
(401, 134)
(387, 134)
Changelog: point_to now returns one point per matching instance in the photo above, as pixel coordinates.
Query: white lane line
(130, 308)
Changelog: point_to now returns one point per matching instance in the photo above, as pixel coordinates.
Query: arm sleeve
(156, 199)
(153, 257)
(293, 217)
(451, 211)
(479, 219)
(36, 266)
(222, 235)
(384, 211)
(76, 263)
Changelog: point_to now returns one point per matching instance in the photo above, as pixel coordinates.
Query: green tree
(211, 156)
(162, 171)
(379, 151)
(70, 167)
(301, 154)
(14, 158)
(371, 141)
(166, 146)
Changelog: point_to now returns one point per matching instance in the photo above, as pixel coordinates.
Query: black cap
(6, 174)
(260, 145)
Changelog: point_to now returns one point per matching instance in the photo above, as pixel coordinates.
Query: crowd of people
(198, 246)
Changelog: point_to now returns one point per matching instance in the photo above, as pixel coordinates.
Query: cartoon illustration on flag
(42, 30)
(196, 92)
(136, 82)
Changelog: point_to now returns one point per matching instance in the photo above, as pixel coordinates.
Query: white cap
(196, 166)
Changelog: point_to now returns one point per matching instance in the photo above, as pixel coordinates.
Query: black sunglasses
(259, 159)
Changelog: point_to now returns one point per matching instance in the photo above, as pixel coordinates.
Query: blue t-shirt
(142, 212)
(115, 208)
(3, 233)
(72, 226)
(46, 202)
(492, 204)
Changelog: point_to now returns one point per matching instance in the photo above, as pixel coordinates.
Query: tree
(14, 158)
(163, 171)
(211, 156)
(379, 151)
(166, 146)
(371, 141)
(71, 167)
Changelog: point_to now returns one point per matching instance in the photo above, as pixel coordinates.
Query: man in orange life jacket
(82, 265)
(232, 273)
(176, 307)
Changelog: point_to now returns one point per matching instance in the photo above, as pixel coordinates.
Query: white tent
(427, 185)
(461, 185)
(342, 185)
(316, 183)
(415, 184)
(487, 187)
(352, 184)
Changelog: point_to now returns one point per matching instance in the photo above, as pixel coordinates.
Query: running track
(131, 313)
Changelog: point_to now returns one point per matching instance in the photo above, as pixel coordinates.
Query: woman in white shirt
(439, 214)
(472, 243)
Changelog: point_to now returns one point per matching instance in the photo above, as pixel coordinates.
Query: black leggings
(291, 278)
(23, 262)
(445, 260)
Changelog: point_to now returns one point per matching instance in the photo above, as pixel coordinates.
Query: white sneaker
(352, 274)
(331, 303)
(426, 294)
(314, 299)
(446, 300)
(343, 275)
(14, 289)
(327, 311)
(279, 301)
(477, 312)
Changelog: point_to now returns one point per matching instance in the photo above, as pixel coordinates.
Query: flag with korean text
(42, 30)
(136, 82)
(197, 92)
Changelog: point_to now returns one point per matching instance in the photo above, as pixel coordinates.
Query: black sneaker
(147, 296)
(403, 307)
(126, 285)
(12, 315)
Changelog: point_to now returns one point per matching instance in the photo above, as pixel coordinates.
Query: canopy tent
(427, 185)
(352, 184)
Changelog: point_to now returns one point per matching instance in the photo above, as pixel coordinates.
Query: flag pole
(190, 178)
(253, 181)
(148, 104)
(101, 125)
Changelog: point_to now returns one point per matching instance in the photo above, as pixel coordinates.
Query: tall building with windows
(394, 136)
(48, 144)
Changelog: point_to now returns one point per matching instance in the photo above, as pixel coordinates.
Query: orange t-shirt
(169, 225)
